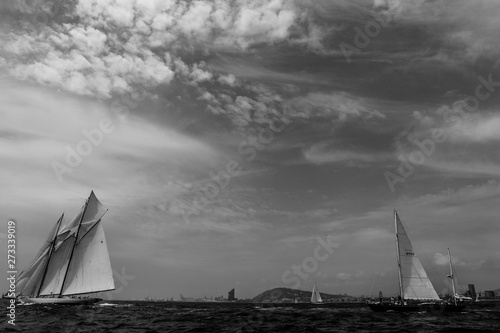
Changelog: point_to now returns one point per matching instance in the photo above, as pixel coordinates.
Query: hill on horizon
(280, 293)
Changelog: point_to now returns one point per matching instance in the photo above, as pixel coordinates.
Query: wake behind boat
(72, 264)
(416, 290)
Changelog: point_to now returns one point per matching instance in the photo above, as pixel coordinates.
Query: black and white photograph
(250, 166)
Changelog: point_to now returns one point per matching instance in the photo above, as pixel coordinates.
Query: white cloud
(73, 56)
(443, 259)
(39, 126)
(477, 129)
(328, 152)
(337, 104)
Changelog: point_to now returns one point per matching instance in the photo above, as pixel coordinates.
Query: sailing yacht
(72, 264)
(416, 290)
(315, 295)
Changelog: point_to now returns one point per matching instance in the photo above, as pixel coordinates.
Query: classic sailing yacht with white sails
(72, 264)
(315, 295)
(416, 290)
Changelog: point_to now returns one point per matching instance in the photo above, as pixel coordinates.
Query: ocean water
(122, 316)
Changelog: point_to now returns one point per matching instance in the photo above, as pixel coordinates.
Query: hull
(429, 307)
(60, 301)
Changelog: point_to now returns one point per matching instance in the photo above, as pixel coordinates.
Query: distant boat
(315, 295)
(72, 264)
(416, 290)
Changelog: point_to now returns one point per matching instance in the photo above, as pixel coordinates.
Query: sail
(315, 296)
(58, 265)
(93, 212)
(415, 283)
(29, 280)
(90, 269)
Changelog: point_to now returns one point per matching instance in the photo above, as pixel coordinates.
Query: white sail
(29, 280)
(90, 269)
(415, 283)
(58, 265)
(57, 268)
(315, 296)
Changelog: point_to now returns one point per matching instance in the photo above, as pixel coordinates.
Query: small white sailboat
(416, 290)
(72, 264)
(316, 296)
(456, 296)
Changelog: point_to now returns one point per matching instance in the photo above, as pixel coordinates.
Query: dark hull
(429, 307)
(59, 301)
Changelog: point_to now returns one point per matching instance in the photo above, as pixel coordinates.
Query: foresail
(93, 213)
(29, 280)
(415, 282)
(90, 269)
(57, 267)
(59, 260)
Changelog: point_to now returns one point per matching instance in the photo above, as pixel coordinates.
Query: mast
(399, 256)
(52, 246)
(452, 278)
(74, 245)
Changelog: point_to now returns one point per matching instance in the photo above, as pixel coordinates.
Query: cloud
(319, 154)
(121, 164)
(336, 105)
(96, 57)
(335, 151)
(454, 139)
(443, 259)
(478, 129)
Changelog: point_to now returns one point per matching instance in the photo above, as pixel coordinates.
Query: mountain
(280, 294)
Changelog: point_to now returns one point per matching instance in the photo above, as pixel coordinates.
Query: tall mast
(52, 246)
(74, 245)
(452, 278)
(399, 256)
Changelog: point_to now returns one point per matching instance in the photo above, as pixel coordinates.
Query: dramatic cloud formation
(117, 46)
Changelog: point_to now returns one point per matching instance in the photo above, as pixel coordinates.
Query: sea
(149, 317)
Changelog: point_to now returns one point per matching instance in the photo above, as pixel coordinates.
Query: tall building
(230, 295)
(472, 291)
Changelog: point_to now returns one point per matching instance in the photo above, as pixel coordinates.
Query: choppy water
(214, 317)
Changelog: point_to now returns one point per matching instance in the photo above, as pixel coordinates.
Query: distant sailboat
(416, 290)
(72, 264)
(315, 295)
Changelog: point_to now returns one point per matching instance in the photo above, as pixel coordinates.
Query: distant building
(472, 291)
(230, 295)
(489, 294)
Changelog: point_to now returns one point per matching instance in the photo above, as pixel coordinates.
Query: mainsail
(414, 282)
(315, 296)
(74, 260)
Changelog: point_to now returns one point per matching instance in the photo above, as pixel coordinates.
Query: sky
(252, 144)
